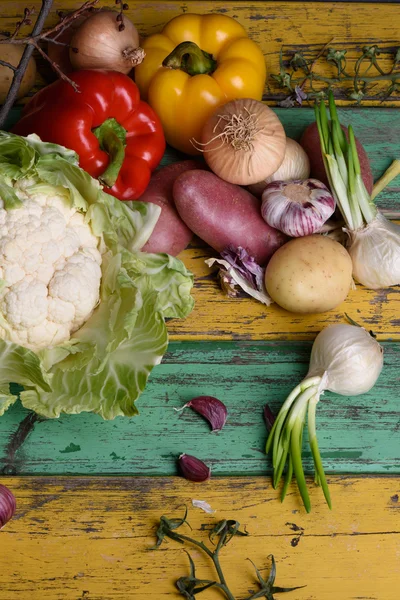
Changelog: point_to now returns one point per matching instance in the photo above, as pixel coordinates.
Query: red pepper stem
(111, 136)
(188, 57)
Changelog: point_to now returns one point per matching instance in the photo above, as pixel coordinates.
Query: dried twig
(32, 42)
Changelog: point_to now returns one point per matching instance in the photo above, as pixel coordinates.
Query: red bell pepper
(118, 137)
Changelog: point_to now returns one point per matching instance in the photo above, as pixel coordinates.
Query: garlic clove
(7, 505)
(211, 409)
(269, 417)
(193, 468)
(297, 208)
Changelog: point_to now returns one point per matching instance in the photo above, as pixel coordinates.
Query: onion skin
(295, 165)
(375, 252)
(60, 54)
(99, 44)
(348, 357)
(241, 165)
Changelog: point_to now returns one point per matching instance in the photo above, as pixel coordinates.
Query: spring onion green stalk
(345, 359)
(373, 242)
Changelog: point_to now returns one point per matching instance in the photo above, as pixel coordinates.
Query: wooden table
(90, 492)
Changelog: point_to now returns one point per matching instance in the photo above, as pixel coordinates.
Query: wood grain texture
(357, 435)
(89, 538)
(294, 26)
(215, 316)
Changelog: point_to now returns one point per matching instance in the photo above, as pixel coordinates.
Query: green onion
(344, 359)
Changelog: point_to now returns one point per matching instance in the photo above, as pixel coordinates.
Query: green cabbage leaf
(104, 366)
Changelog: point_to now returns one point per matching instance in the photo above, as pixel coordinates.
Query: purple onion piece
(7, 505)
(269, 417)
(245, 265)
(211, 409)
(193, 468)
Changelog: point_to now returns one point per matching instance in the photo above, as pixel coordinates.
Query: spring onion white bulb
(345, 359)
(374, 243)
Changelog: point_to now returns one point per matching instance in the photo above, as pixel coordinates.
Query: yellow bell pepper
(197, 63)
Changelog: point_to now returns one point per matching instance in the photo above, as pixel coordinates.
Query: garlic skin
(296, 165)
(297, 208)
(348, 359)
(375, 252)
(193, 468)
(212, 409)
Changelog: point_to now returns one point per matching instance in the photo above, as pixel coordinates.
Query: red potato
(170, 234)
(224, 214)
(312, 145)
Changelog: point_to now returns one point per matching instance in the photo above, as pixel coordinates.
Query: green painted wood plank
(358, 435)
(377, 128)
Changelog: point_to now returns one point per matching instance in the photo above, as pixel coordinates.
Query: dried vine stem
(32, 42)
(363, 80)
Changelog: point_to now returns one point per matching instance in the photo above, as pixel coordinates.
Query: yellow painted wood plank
(89, 538)
(308, 25)
(219, 317)
(294, 25)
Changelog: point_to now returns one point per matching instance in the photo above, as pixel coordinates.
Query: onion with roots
(243, 142)
(106, 40)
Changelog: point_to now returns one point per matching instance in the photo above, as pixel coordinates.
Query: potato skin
(12, 54)
(310, 274)
(170, 234)
(312, 145)
(224, 214)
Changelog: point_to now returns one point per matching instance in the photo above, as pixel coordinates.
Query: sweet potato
(170, 234)
(224, 214)
(311, 144)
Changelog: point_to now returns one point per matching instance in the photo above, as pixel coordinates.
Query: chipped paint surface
(357, 435)
(351, 552)
(245, 354)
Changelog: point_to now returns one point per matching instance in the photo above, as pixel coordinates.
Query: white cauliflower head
(50, 268)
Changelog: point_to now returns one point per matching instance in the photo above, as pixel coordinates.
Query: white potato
(310, 274)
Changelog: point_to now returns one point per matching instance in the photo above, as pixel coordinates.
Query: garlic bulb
(375, 252)
(296, 165)
(349, 357)
(297, 208)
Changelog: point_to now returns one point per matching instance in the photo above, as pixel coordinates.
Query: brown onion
(106, 40)
(59, 53)
(243, 142)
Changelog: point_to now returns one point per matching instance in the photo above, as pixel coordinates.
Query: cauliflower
(82, 309)
(50, 268)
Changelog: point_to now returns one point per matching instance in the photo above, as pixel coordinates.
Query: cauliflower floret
(26, 304)
(50, 262)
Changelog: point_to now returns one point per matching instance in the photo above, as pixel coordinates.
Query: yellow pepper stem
(188, 57)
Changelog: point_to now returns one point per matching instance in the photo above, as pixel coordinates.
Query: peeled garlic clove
(211, 409)
(7, 505)
(298, 207)
(193, 468)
